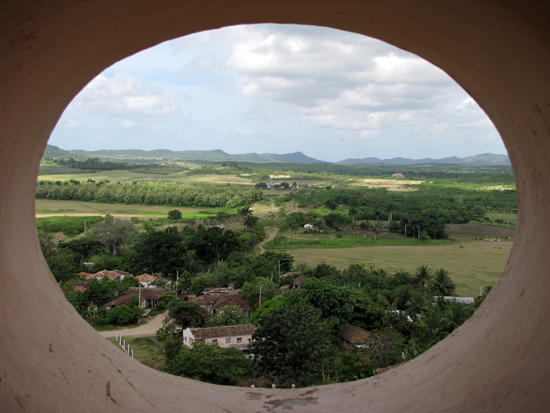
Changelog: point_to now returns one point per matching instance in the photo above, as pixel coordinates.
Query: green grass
(54, 207)
(475, 264)
(70, 226)
(144, 352)
(345, 240)
(512, 218)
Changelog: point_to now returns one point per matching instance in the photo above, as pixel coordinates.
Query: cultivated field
(472, 231)
(471, 265)
(399, 185)
(125, 175)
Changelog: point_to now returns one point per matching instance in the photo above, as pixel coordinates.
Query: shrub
(122, 315)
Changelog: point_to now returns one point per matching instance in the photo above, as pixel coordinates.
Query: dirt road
(145, 330)
(272, 232)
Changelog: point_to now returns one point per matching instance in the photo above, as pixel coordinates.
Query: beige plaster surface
(52, 361)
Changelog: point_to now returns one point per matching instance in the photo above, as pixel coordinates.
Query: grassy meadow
(470, 264)
(511, 218)
(47, 207)
(144, 352)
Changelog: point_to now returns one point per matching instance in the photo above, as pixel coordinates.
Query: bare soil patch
(390, 184)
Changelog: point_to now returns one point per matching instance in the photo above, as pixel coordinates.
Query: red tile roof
(86, 275)
(352, 334)
(231, 299)
(109, 274)
(204, 299)
(146, 278)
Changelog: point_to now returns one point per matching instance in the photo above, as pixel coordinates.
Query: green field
(513, 218)
(46, 207)
(475, 264)
(344, 240)
(125, 175)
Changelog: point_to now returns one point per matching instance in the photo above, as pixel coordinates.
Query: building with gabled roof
(238, 336)
(298, 281)
(231, 299)
(148, 297)
(350, 335)
(146, 280)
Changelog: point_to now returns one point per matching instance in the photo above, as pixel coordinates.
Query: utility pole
(279, 266)
(139, 302)
(260, 296)
(304, 257)
(84, 224)
(177, 281)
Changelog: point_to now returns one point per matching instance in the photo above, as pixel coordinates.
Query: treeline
(92, 164)
(149, 193)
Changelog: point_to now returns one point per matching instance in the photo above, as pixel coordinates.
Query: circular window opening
(347, 164)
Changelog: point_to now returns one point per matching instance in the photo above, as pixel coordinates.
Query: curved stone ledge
(53, 361)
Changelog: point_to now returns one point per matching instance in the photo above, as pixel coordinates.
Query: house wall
(246, 339)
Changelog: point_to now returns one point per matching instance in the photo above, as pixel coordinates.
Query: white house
(238, 336)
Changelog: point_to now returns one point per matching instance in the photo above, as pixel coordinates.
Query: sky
(278, 89)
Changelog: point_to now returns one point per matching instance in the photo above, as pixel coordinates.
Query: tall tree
(422, 276)
(113, 232)
(292, 344)
(210, 363)
(442, 284)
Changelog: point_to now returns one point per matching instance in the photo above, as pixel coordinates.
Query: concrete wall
(499, 51)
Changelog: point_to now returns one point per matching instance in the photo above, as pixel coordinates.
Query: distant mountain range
(483, 159)
(296, 157)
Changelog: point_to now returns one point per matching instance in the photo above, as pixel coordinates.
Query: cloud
(124, 96)
(328, 93)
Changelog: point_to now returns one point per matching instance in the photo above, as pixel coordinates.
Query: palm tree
(404, 294)
(436, 326)
(422, 276)
(352, 211)
(404, 222)
(456, 315)
(245, 212)
(416, 303)
(390, 212)
(442, 284)
(414, 224)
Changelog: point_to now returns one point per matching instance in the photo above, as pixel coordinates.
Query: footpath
(146, 330)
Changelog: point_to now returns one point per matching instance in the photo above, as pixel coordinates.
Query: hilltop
(295, 157)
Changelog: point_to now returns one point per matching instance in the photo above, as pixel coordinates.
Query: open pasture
(512, 218)
(46, 207)
(471, 265)
(472, 231)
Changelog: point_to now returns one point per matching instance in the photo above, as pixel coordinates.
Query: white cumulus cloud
(124, 96)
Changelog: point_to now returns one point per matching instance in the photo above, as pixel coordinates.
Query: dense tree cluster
(91, 164)
(149, 193)
(413, 214)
